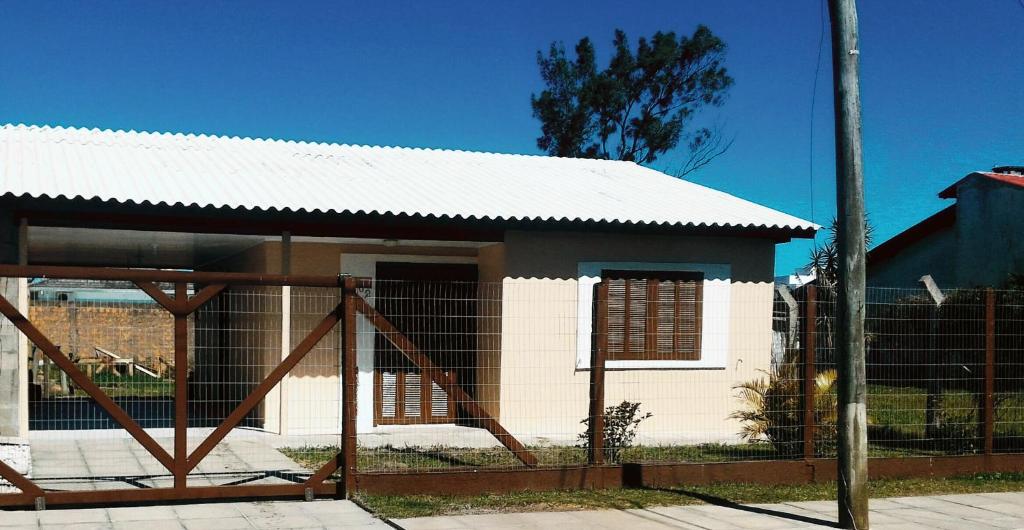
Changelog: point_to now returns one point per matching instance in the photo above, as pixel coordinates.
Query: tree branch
(702, 154)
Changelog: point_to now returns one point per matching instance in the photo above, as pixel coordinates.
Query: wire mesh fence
(757, 400)
(458, 375)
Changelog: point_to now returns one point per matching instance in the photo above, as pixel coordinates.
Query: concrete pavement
(973, 511)
(954, 512)
(212, 516)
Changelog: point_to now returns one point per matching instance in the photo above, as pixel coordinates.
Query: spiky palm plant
(773, 409)
(825, 257)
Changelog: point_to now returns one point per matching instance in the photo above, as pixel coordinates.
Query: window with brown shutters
(653, 315)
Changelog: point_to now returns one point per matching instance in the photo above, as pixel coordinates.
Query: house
(976, 241)
(512, 245)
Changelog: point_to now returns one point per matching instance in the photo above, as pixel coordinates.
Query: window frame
(715, 317)
(652, 280)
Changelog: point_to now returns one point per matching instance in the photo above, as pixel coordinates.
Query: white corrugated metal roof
(141, 168)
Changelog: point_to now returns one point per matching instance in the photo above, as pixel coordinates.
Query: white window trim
(714, 333)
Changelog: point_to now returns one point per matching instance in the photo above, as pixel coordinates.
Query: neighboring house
(533, 233)
(976, 241)
(798, 278)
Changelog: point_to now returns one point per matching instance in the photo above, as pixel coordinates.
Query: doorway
(434, 305)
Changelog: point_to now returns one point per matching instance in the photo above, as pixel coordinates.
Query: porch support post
(181, 389)
(286, 332)
(13, 381)
(600, 353)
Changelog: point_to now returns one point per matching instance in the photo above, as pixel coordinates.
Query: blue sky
(942, 82)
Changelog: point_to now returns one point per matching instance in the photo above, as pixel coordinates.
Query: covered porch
(409, 273)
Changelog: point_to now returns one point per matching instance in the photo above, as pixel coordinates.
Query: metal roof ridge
(289, 141)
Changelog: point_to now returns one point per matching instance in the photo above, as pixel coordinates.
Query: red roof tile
(1013, 180)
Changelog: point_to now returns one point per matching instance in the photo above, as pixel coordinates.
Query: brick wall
(142, 331)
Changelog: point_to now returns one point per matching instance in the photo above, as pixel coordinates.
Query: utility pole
(853, 435)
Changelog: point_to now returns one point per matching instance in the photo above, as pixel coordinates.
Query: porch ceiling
(139, 248)
(131, 248)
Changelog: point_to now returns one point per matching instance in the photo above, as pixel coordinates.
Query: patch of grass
(389, 458)
(396, 507)
(133, 385)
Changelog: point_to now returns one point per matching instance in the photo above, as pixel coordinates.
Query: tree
(637, 108)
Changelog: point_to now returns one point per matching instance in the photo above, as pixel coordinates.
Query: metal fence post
(349, 374)
(988, 417)
(810, 314)
(597, 360)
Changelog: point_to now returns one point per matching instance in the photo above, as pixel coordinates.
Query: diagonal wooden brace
(204, 295)
(20, 481)
(116, 412)
(444, 380)
(180, 306)
(173, 306)
(324, 472)
(264, 387)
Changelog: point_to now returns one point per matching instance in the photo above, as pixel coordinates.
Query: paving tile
(938, 521)
(762, 522)
(1006, 509)
(433, 523)
(222, 523)
(206, 511)
(1005, 522)
(78, 526)
(162, 524)
(285, 521)
(632, 519)
(976, 499)
(142, 513)
(701, 520)
(17, 518)
(68, 516)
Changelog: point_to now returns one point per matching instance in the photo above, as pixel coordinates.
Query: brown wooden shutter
(654, 315)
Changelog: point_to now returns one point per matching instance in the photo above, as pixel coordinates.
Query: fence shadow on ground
(726, 503)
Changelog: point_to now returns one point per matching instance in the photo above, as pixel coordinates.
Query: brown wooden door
(434, 305)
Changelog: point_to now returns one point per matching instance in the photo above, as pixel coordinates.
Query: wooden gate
(180, 461)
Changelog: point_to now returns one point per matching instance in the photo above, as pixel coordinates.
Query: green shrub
(773, 410)
(621, 423)
(956, 427)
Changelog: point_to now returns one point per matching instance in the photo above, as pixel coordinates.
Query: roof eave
(98, 213)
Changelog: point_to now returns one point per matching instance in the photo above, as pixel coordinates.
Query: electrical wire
(814, 93)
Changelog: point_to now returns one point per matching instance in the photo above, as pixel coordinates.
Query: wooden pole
(350, 373)
(989, 416)
(853, 436)
(181, 390)
(600, 353)
(810, 372)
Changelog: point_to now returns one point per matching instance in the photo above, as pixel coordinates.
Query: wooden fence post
(597, 359)
(988, 418)
(349, 374)
(810, 372)
(181, 389)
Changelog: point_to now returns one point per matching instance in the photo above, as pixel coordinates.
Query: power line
(814, 93)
